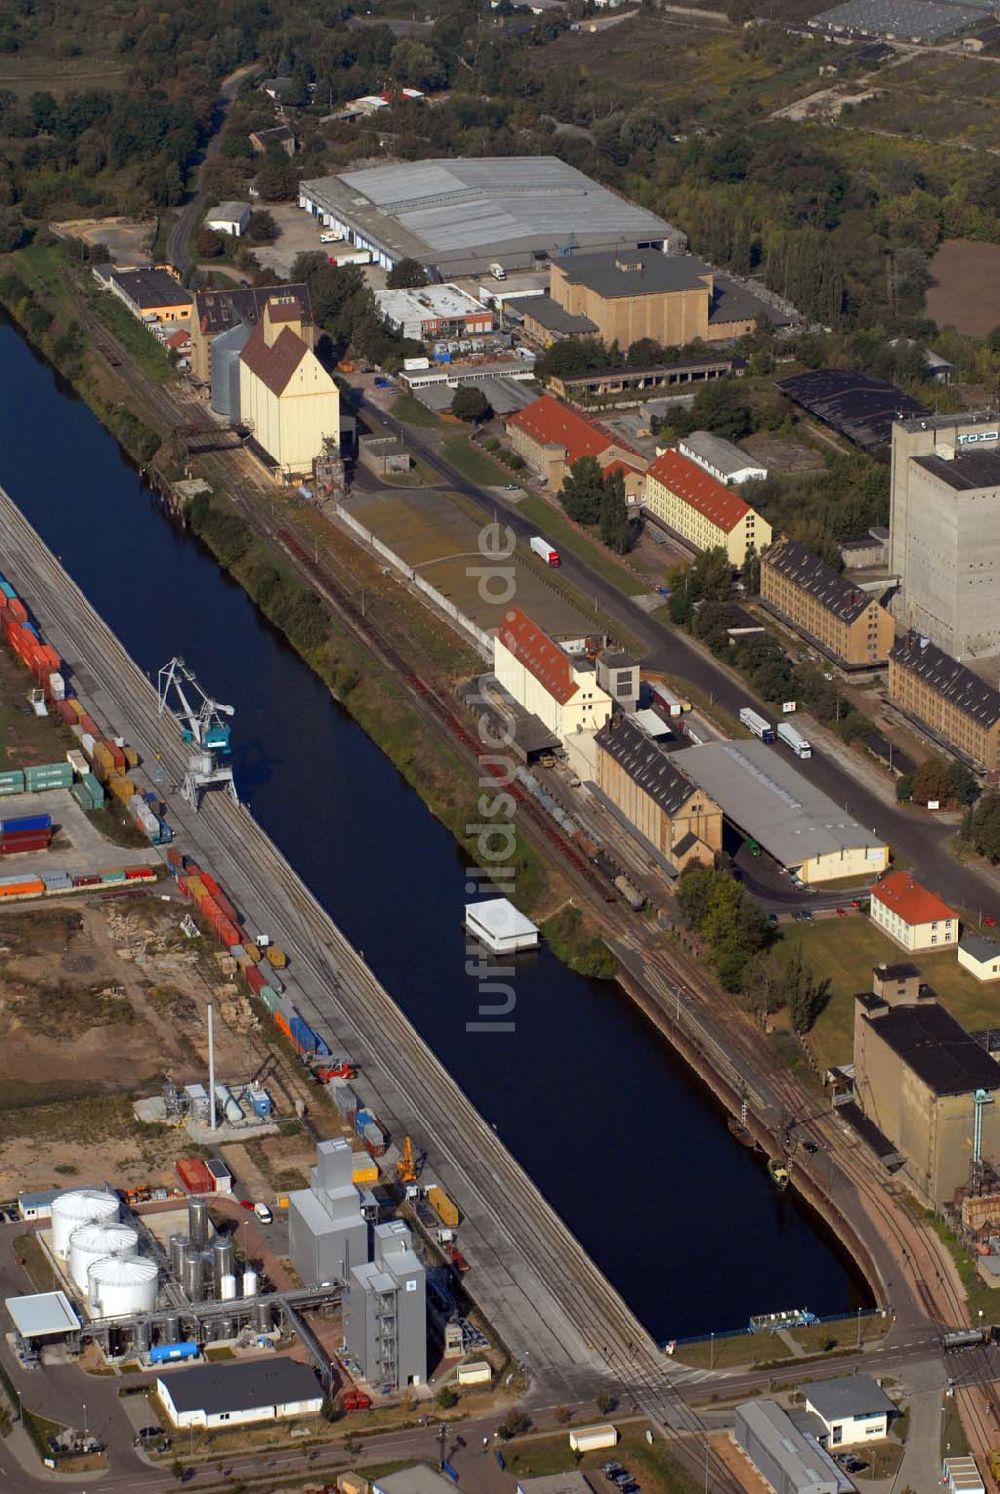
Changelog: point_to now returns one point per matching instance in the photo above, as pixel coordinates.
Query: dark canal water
(612, 1128)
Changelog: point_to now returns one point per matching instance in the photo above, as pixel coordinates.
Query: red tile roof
(550, 422)
(913, 903)
(540, 656)
(273, 365)
(699, 489)
(179, 338)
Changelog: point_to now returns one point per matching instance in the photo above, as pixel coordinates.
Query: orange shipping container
(131, 757)
(21, 889)
(282, 1021)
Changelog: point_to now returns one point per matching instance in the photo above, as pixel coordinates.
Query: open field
(655, 1470)
(966, 292)
(129, 241)
(846, 950)
(428, 531)
(473, 463)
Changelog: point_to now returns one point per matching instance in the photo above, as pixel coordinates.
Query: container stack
(48, 776)
(25, 832)
(11, 782)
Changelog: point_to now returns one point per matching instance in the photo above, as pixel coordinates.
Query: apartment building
(850, 626)
(697, 507)
(946, 697)
(912, 915)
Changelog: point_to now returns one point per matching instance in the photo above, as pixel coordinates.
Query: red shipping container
(256, 981)
(90, 725)
(210, 883)
(17, 609)
(138, 873)
(228, 934)
(195, 1175)
(118, 756)
(89, 880)
(41, 843)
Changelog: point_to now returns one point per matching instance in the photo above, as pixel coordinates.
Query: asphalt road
(180, 234)
(923, 842)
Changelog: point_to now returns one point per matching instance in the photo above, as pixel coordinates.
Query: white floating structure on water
(498, 924)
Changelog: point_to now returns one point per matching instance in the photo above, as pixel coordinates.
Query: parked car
(263, 1213)
(611, 1470)
(811, 1147)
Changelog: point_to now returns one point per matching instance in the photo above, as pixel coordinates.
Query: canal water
(610, 1125)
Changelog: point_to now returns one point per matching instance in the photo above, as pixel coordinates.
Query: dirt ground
(127, 240)
(782, 454)
(966, 290)
(300, 232)
(99, 1002)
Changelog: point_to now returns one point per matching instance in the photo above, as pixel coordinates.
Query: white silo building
(121, 1287)
(81, 1206)
(95, 1242)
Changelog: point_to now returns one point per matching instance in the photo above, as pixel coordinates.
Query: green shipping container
(81, 794)
(112, 876)
(269, 998)
(12, 781)
(96, 791)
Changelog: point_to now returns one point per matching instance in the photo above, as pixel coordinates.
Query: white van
(263, 1213)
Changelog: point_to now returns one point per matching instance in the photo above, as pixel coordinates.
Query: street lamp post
(711, 1359)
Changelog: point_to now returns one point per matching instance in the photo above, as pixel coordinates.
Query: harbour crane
(204, 725)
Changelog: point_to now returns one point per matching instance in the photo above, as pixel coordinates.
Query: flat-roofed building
(429, 312)
(648, 785)
(854, 1409)
(698, 508)
(767, 798)
(979, 955)
(152, 293)
(938, 692)
(789, 1461)
(847, 624)
(542, 677)
(722, 458)
(552, 436)
(223, 1395)
(912, 915)
(916, 1073)
(544, 321)
(945, 530)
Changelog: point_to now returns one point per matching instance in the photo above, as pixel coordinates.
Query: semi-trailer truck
(794, 739)
(671, 703)
(544, 550)
(757, 724)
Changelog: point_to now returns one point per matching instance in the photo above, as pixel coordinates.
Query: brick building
(943, 695)
(848, 624)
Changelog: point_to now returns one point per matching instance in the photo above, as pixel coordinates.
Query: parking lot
(77, 846)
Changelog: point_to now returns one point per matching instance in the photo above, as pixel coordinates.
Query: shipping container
(77, 761)
(81, 794)
(194, 1175)
(12, 781)
(12, 823)
(276, 956)
(360, 1121)
(31, 843)
(87, 879)
(255, 980)
(96, 791)
(443, 1207)
(269, 998)
(343, 1097)
(65, 712)
(131, 757)
(21, 887)
(375, 1139)
(282, 1021)
(57, 685)
(364, 1169)
(48, 776)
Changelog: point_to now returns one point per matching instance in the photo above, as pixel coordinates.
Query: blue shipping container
(26, 822)
(303, 1033)
(362, 1119)
(163, 1353)
(322, 1048)
(7, 589)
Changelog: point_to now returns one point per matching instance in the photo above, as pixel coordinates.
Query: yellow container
(123, 788)
(253, 951)
(443, 1206)
(277, 957)
(131, 757)
(364, 1169)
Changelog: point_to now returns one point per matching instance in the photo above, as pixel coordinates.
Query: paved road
(923, 842)
(180, 234)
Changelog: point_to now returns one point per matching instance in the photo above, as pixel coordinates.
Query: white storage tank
(227, 1287)
(81, 1206)
(121, 1288)
(94, 1242)
(250, 1283)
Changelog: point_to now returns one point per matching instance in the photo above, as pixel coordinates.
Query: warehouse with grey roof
(459, 216)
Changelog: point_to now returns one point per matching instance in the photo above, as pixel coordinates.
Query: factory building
(551, 437)
(912, 915)
(435, 311)
(152, 294)
(805, 831)
(722, 459)
(688, 500)
(629, 294)
(955, 705)
(944, 530)
(220, 311)
(232, 218)
(386, 1328)
(647, 785)
(540, 676)
(787, 1459)
(847, 624)
(230, 1395)
(287, 398)
(327, 1232)
(916, 1075)
(459, 216)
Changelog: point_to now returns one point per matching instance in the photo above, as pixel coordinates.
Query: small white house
(980, 956)
(229, 217)
(498, 924)
(221, 1395)
(853, 1409)
(912, 915)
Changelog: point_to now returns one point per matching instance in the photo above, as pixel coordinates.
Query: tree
(964, 784)
(276, 179)
(447, 1397)
(11, 230)
(604, 1402)
(513, 1424)
(406, 274)
(583, 490)
(750, 572)
(721, 406)
(986, 826)
(932, 782)
(806, 996)
(904, 788)
(614, 515)
(471, 404)
(209, 244)
(416, 65)
(262, 228)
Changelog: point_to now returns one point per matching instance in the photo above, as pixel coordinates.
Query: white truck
(757, 724)
(544, 550)
(794, 739)
(498, 272)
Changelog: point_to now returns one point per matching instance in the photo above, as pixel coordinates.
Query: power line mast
(204, 725)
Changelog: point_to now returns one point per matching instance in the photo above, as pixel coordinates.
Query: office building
(853, 1410)
(700, 510)
(944, 530)
(956, 706)
(386, 1314)
(430, 312)
(850, 626)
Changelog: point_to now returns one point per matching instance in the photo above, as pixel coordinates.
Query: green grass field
(473, 463)
(564, 536)
(655, 1469)
(411, 412)
(151, 356)
(846, 949)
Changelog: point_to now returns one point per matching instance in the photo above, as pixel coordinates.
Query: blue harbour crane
(204, 725)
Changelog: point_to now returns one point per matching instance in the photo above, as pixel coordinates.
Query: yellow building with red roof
(701, 510)
(913, 915)
(543, 678)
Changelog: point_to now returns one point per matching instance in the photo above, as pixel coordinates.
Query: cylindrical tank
(172, 1328)
(120, 1288)
(251, 1284)
(140, 1336)
(263, 1316)
(198, 1222)
(192, 1277)
(227, 1287)
(95, 1242)
(208, 1282)
(178, 1255)
(223, 1256)
(226, 1328)
(81, 1206)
